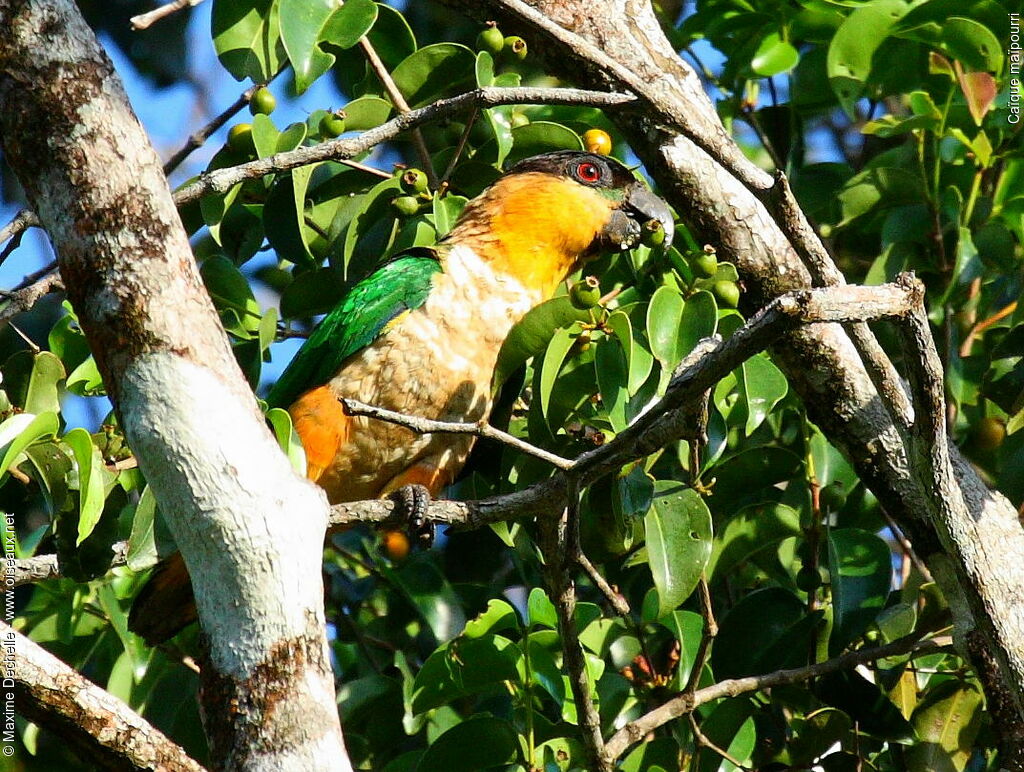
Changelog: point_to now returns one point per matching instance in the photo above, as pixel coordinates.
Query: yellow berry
(597, 141)
(262, 102)
(240, 138)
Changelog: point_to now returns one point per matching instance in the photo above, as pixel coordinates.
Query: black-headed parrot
(421, 336)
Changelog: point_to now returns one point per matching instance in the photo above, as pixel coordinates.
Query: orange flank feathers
(322, 424)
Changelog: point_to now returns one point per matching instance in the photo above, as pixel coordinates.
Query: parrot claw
(412, 502)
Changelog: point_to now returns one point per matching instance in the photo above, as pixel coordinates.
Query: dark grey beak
(646, 206)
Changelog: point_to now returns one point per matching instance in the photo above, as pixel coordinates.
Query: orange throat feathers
(534, 227)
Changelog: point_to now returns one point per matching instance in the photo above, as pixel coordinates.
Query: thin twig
(615, 599)
(707, 636)
(682, 704)
(401, 106)
(24, 298)
(145, 20)
(198, 138)
(984, 324)
(22, 221)
(481, 428)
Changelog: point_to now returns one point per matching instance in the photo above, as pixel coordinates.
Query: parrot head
(549, 214)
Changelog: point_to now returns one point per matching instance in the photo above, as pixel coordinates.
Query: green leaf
(664, 314)
(947, 721)
(366, 112)
(730, 726)
(860, 566)
(763, 386)
(877, 188)
(700, 318)
(447, 210)
(752, 529)
(678, 534)
(281, 422)
(499, 616)
(478, 743)
(85, 380)
(540, 610)
(31, 381)
(142, 552)
(232, 295)
(431, 595)
(639, 358)
(555, 354)
(247, 39)
(90, 481)
(972, 43)
(311, 293)
(774, 56)
(19, 431)
(612, 373)
(302, 28)
(773, 617)
(349, 23)
(434, 71)
(541, 137)
(532, 334)
(854, 45)
(463, 667)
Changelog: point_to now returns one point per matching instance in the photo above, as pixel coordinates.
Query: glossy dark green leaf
(431, 594)
(531, 335)
(664, 315)
(753, 528)
(303, 25)
(817, 733)
(678, 535)
(363, 243)
(860, 565)
(776, 620)
(231, 294)
(478, 743)
(557, 349)
(311, 293)
(349, 23)
(763, 386)
(465, 666)
(246, 36)
(749, 477)
(540, 137)
(434, 71)
(31, 381)
(863, 702)
(639, 358)
(730, 726)
(612, 373)
(142, 553)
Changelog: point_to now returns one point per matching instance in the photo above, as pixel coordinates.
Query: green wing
(358, 319)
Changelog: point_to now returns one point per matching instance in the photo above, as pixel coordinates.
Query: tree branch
(145, 20)
(99, 727)
(21, 222)
(685, 703)
(23, 299)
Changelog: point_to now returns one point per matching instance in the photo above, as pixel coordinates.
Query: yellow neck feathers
(534, 227)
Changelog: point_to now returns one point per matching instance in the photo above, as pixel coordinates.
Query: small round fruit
(652, 234)
(989, 433)
(333, 124)
(262, 102)
(396, 545)
(808, 578)
(832, 497)
(414, 181)
(491, 39)
(406, 206)
(727, 292)
(586, 293)
(597, 141)
(516, 46)
(240, 138)
(705, 264)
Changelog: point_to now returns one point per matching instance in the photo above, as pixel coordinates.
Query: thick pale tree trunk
(969, 536)
(249, 528)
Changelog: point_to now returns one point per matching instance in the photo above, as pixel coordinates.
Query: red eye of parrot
(588, 172)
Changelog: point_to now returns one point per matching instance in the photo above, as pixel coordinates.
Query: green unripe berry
(652, 234)
(586, 293)
(491, 39)
(808, 578)
(989, 433)
(240, 138)
(406, 206)
(727, 293)
(516, 46)
(262, 102)
(705, 264)
(832, 497)
(414, 181)
(333, 124)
